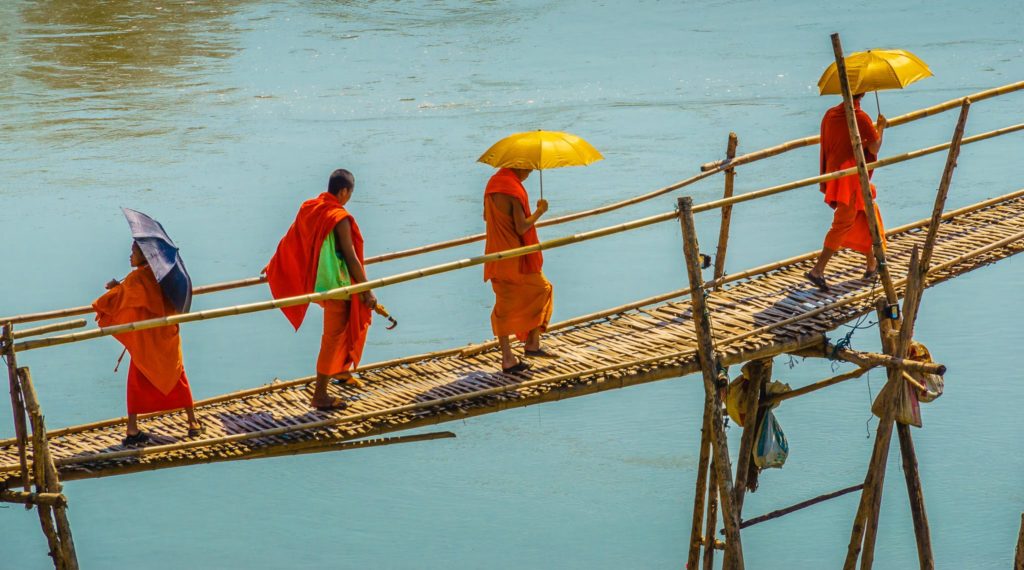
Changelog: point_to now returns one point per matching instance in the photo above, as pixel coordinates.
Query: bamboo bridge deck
(769, 313)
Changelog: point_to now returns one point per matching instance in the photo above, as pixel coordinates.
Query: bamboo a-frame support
(717, 488)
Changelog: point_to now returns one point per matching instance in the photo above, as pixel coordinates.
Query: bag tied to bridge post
(772, 448)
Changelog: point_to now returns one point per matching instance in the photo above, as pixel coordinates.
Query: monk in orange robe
(849, 221)
(156, 374)
(523, 297)
(297, 269)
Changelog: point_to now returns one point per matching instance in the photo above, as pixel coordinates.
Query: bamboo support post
(1018, 560)
(700, 492)
(709, 367)
(922, 532)
(801, 505)
(723, 231)
(865, 527)
(47, 480)
(712, 521)
(862, 172)
(17, 403)
(760, 375)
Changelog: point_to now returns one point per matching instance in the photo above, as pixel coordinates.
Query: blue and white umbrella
(163, 258)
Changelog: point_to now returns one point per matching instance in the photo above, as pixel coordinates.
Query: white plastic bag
(772, 448)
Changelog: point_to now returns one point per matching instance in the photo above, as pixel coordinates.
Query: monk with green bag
(323, 250)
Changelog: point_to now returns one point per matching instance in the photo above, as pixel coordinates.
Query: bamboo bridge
(748, 316)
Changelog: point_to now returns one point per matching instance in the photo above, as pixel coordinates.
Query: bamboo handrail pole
(270, 432)
(707, 169)
(709, 363)
(893, 122)
(801, 505)
(880, 163)
(17, 403)
(721, 203)
(55, 327)
(681, 292)
(700, 493)
(778, 398)
(345, 292)
(761, 374)
(723, 230)
(23, 498)
(862, 172)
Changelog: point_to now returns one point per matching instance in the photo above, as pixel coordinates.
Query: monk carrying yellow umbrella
(867, 71)
(523, 296)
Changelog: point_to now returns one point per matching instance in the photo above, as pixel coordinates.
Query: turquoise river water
(218, 117)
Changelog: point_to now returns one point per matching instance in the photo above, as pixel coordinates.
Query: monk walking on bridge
(323, 250)
(523, 297)
(849, 222)
(156, 374)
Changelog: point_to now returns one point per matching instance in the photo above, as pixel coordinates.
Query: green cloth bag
(331, 270)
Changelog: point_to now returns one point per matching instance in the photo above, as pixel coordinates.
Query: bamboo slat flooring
(642, 345)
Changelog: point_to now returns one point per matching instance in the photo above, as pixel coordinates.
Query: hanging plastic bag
(933, 383)
(903, 395)
(772, 448)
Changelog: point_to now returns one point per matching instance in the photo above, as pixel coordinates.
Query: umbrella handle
(878, 106)
(541, 184)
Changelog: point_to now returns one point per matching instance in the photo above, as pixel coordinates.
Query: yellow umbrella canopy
(538, 150)
(875, 70)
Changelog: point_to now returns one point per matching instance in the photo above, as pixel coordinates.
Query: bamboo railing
(346, 292)
(707, 170)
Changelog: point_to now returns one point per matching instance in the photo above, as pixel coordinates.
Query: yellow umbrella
(538, 150)
(875, 70)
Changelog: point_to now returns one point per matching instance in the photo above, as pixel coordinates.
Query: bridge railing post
(723, 230)
(17, 402)
(709, 363)
(53, 518)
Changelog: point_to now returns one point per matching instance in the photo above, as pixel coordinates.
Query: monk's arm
(343, 235)
(875, 145)
(523, 222)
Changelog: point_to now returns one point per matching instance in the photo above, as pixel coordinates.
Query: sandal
(196, 431)
(516, 368)
(137, 438)
(337, 404)
(539, 353)
(819, 282)
(869, 275)
(349, 380)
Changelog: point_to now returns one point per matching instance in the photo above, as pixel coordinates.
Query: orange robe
(292, 272)
(156, 374)
(523, 297)
(849, 222)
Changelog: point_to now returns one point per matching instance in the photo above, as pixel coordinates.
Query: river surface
(219, 117)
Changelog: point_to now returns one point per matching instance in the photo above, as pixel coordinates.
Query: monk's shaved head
(341, 179)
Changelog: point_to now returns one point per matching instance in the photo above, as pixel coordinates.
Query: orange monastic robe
(849, 223)
(156, 375)
(523, 297)
(292, 272)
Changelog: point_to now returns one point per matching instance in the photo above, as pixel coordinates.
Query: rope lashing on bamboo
(708, 169)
